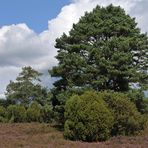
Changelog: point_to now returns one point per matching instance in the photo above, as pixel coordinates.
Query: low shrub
(47, 113)
(59, 100)
(2, 114)
(128, 121)
(16, 113)
(138, 98)
(34, 113)
(87, 118)
(2, 111)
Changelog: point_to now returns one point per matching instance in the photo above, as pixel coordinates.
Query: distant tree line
(93, 98)
(27, 100)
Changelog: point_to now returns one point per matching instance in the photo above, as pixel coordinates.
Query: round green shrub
(128, 121)
(16, 113)
(87, 118)
(34, 113)
(59, 100)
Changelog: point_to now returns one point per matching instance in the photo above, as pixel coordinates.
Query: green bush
(128, 121)
(59, 100)
(2, 111)
(137, 96)
(2, 114)
(16, 113)
(34, 113)
(145, 106)
(47, 113)
(87, 118)
(2, 119)
(58, 106)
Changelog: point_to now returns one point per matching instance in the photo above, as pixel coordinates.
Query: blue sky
(35, 13)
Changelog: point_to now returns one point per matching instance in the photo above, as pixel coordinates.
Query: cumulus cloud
(21, 46)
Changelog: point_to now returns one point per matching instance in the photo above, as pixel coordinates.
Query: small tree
(87, 118)
(26, 88)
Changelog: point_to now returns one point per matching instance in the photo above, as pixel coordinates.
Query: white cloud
(2, 96)
(21, 46)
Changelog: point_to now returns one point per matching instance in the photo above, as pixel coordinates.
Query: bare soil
(35, 135)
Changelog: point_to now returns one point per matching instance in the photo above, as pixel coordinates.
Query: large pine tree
(104, 50)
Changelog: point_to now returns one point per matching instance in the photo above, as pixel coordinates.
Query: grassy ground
(44, 136)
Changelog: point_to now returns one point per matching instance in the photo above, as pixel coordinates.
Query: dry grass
(35, 135)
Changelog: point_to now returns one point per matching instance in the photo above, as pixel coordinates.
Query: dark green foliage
(3, 102)
(128, 121)
(145, 106)
(2, 114)
(47, 109)
(26, 88)
(47, 113)
(34, 113)
(2, 111)
(59, 99)
(137, 96)
(16, 113)
(104, 50)
(87, 118)
(31, 111)
(58, 106)
(6, 102)
(96, 116)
